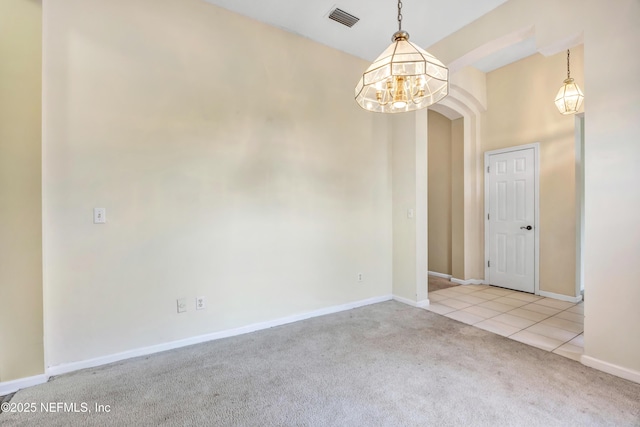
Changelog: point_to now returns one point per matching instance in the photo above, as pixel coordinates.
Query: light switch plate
(99, 215)
(182, 305)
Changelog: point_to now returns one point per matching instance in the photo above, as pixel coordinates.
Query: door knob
(528, 227)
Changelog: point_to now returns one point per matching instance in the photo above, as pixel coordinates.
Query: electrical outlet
(201, 303)
(360, 277)
(182, 305)
(99, 215)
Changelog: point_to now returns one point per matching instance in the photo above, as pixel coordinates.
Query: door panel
(511, 210)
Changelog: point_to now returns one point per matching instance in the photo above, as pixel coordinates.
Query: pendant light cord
(568, 69)
(399, 15)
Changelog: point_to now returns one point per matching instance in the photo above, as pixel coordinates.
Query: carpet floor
(386, 364)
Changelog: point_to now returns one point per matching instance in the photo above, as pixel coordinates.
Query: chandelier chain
(399, 15)
(568, 69)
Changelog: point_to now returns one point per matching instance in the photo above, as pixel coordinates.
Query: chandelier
(403, 78)
(569, 97)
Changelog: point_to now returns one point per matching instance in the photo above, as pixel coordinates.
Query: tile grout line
(506, 312)
(569, 331)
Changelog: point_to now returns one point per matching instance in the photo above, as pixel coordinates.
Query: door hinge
(488, 169)
(489, 264)
(488, 216)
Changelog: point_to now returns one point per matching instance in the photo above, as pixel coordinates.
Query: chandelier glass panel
(403, 78)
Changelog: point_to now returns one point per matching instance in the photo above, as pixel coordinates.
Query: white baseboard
(9, 387)
(610, 368)
(104, 360)
(467, 282)
(560, 296)
(444, 276)
(419, 304)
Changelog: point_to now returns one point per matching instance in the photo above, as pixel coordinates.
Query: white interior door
(511, 219)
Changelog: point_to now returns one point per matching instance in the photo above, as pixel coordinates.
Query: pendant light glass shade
(403, 78)
(569, 98)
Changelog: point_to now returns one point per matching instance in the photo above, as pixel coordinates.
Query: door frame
(536, 197)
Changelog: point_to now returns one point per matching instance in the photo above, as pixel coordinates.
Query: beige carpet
(383, 365)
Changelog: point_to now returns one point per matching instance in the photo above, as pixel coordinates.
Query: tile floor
(546, 323)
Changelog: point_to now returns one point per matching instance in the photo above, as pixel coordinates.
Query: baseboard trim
(467, 282)
(436, 274)
(610, 368)
(144, 351)
(9, 387)
(418, 304)
(560, 296)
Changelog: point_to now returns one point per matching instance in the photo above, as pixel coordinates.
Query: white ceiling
(427, 21)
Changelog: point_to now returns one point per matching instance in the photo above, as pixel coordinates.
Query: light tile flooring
(546, 323)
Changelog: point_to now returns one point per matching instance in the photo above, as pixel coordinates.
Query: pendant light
(570, 97)
(403, 78)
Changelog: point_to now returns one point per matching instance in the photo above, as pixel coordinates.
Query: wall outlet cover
(99, 215)
(182, 305)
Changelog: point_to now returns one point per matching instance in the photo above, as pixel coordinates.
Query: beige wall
(612, 201)
(404, 192)
(521, 111)
(612, 153)
(457, 200)
(439, 193)
(446, 195)
(232, 162)
(466, 102)
(409, 178)
(195, 203)
(21, 345)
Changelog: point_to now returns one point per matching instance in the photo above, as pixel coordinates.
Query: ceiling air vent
(343, 17)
